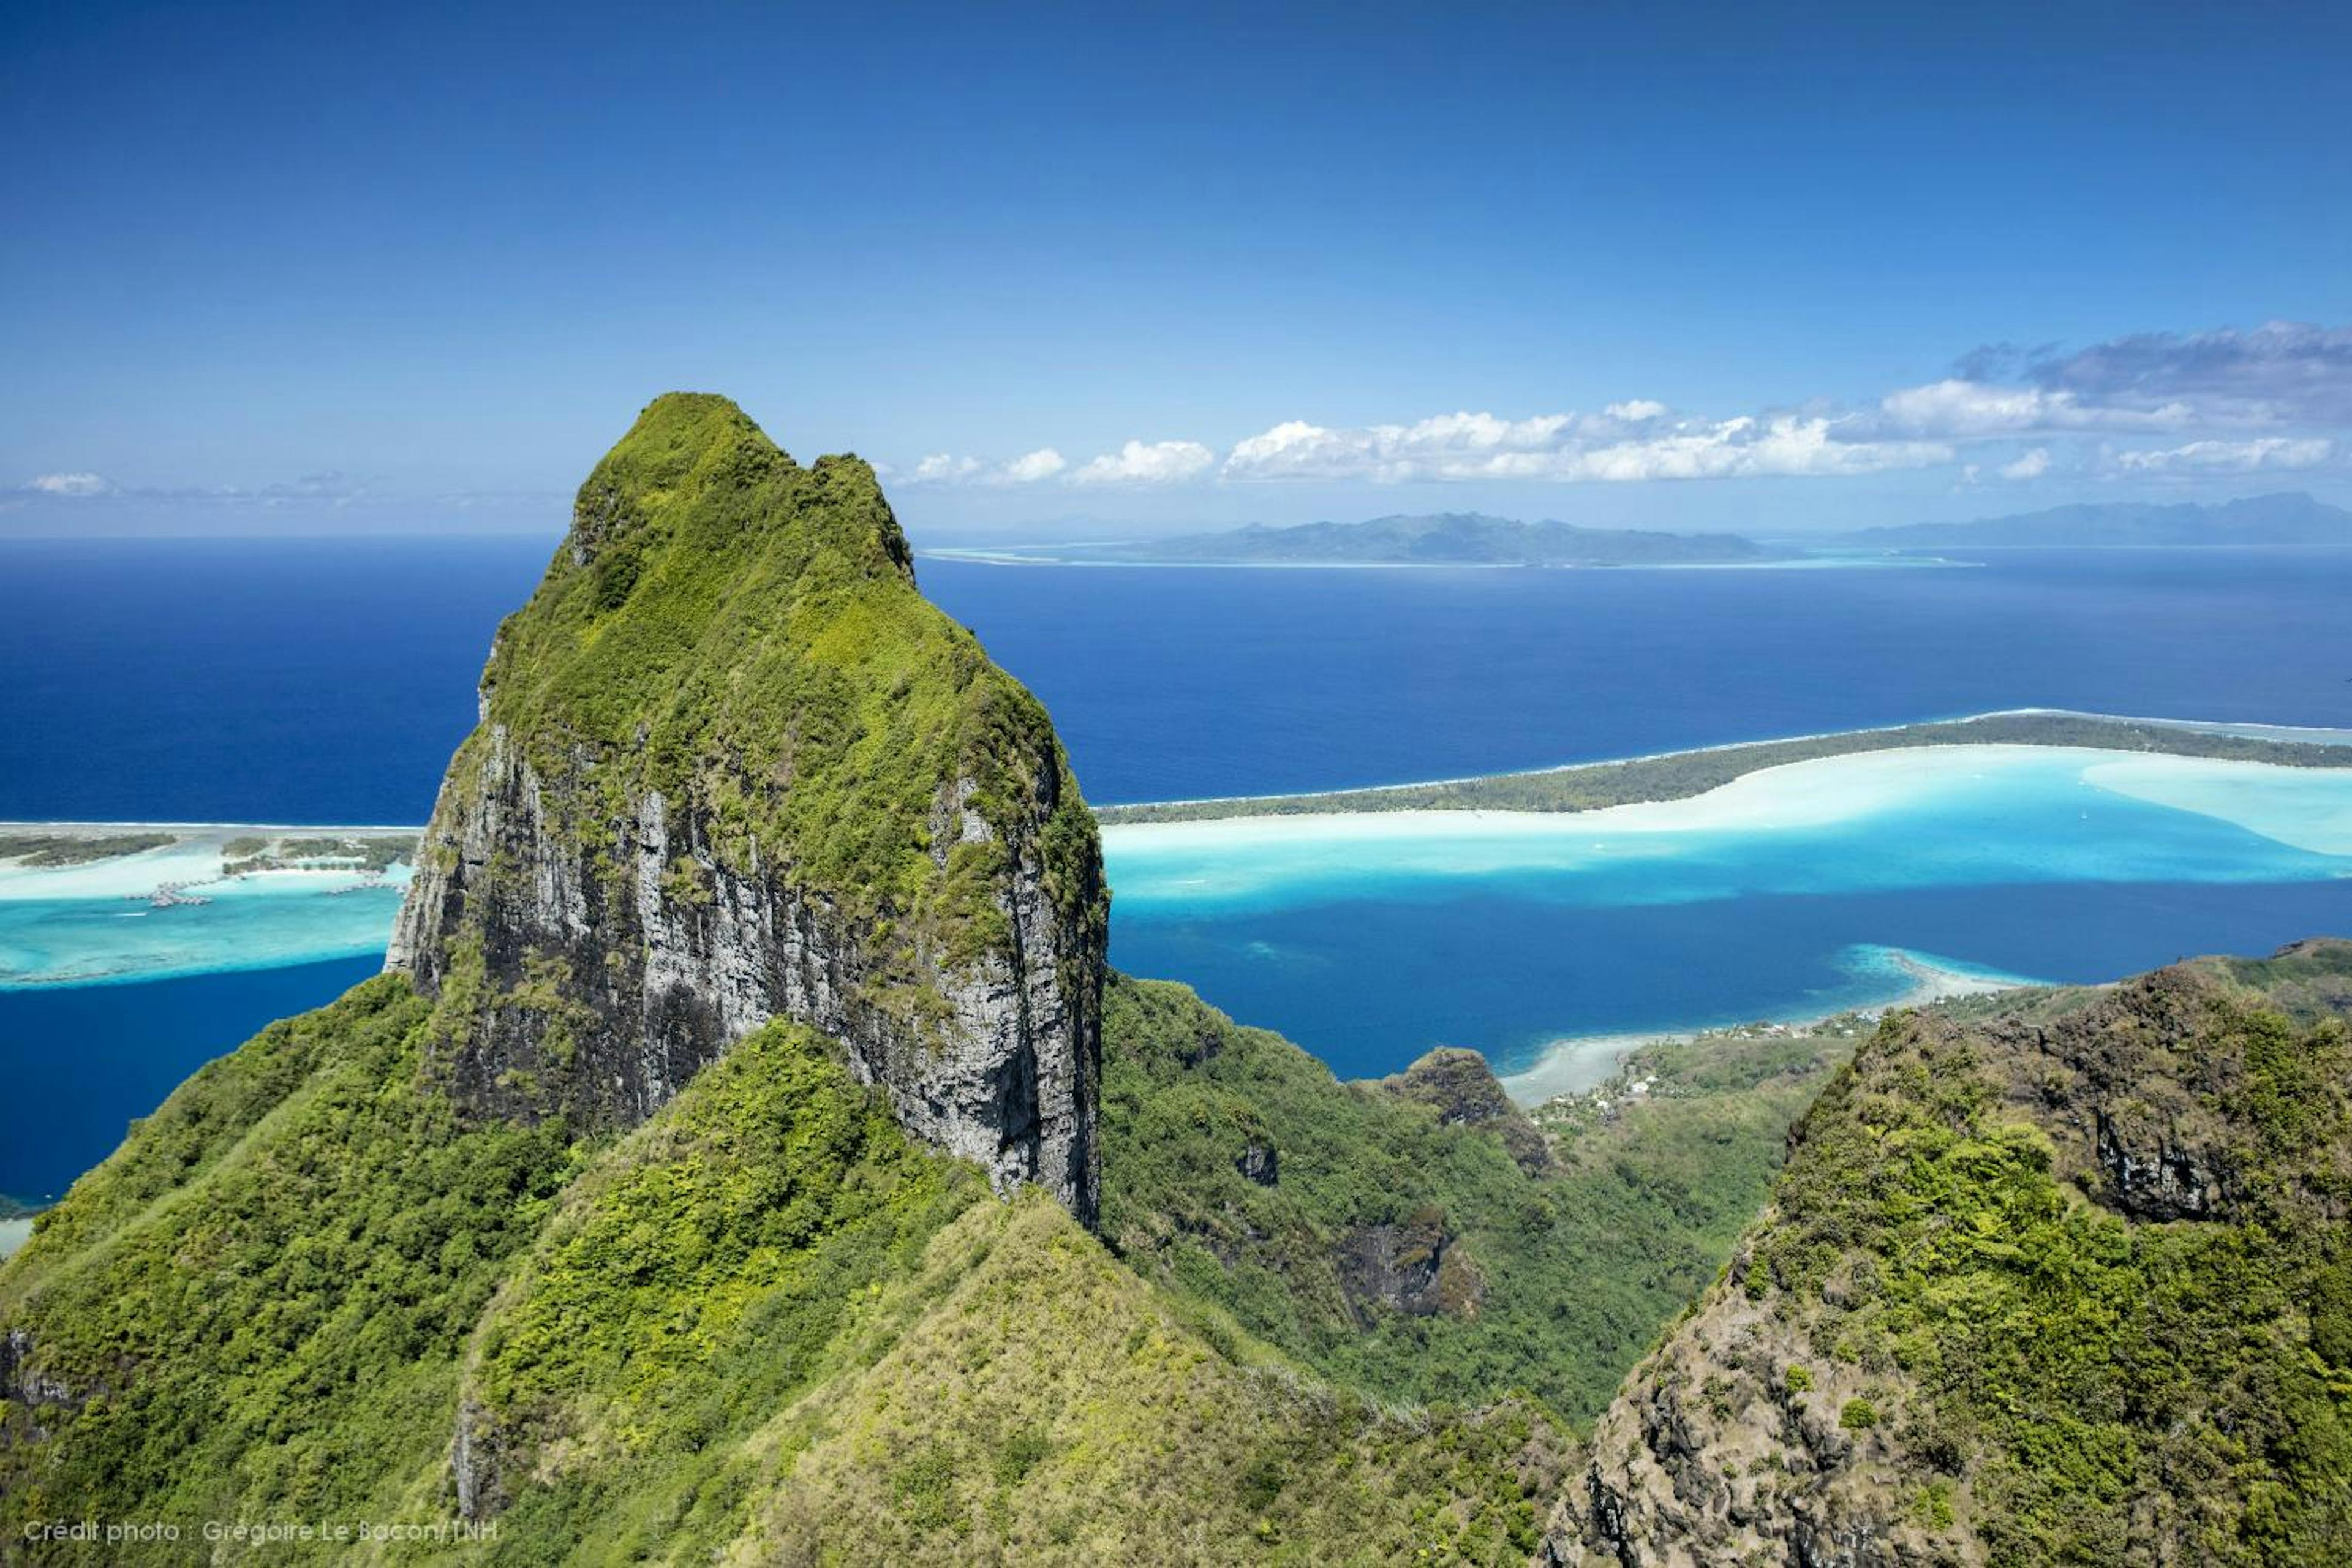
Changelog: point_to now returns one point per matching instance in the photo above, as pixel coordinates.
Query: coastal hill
(2056, 1277)
(1440, 539)
(2284, 518)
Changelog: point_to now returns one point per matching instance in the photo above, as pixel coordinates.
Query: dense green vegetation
(51, 849)
(735, 1329)
(1406, 1243)
(2107, 1382)
(1705, 1136)
(725, 623)
(686, 1290)
(1095, 1420)
(259, 1301)
(1682, 774)
(349, 851)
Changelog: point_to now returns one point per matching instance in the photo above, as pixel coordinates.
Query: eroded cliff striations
(731, 767)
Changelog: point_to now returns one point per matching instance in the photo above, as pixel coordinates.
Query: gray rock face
(607, 956)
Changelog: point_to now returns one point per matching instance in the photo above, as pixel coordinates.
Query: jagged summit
(732, 766)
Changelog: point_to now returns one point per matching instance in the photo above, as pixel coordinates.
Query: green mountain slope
(1415, 1237)
(733, 1331)
(2065, 1278)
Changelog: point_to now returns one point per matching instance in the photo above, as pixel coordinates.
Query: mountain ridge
(2056, 1277)
(2281, 518)
(1436, 538)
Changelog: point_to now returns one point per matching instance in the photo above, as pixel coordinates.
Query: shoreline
(1576, 1063)
(2302, 738)
(2309, 745)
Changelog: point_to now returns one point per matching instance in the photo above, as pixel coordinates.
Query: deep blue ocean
(327, 682)
(309, 681)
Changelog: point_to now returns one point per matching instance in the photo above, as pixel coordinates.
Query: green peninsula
(1678, 776)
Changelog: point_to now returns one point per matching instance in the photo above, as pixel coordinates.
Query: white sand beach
(1572, 1066)
(2308, 808)
(13, 1234)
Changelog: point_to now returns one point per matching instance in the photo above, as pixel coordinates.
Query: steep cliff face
(731, 767)
(2065, 1278)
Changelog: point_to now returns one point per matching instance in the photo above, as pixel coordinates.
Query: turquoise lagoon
(101, 923)
(1793, 892)
(1369, 937)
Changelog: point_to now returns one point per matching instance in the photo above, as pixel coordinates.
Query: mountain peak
(732, 766)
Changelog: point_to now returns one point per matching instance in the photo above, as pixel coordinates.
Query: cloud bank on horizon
(2150, 408)
(2274, 398)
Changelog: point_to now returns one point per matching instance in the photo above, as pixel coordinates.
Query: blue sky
(313, 269)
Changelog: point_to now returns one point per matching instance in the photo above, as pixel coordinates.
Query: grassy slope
(765, 1323)
(1044, 1401)
(1567, 1275)
(260, 1297)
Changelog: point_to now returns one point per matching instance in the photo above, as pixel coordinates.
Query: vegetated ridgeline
(2056, 1277)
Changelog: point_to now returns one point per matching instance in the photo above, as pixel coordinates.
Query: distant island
(2291, 518)
(1438, 539)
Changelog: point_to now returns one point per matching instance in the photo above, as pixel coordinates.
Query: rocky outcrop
(1878, 1378)
(629, 867)
(1731, 1446)
(618, 969)
(1415, 1266)
(1261, 1163)
(1464, 1092)
(26, 1392)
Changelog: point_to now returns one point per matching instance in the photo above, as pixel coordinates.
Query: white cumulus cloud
(945, 469)
(941, 468)
(2229, 456)
(1957, 409)
(2031, 465)
(71, 484)
(2279, 396)
(1565, 448)
(1031, 467)
(1148, 463)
